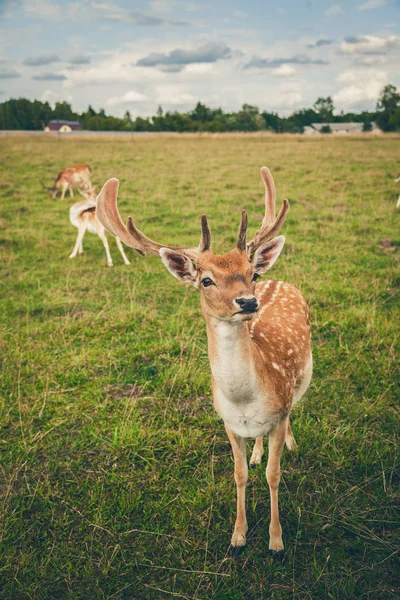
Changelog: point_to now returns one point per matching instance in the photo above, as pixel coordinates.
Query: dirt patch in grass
(387, 246)
(119, 391)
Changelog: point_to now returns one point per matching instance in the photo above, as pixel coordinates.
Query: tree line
(34, 115)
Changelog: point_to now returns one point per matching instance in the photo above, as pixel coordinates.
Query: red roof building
(63, 126)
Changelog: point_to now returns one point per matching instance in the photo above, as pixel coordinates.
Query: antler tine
(270, 197)
(205, 241)
(152, 247)
(108, 215)
(242, 235)
(270, 225)
(45, 186)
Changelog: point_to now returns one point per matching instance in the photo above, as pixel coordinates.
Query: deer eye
(255, 277)
(207, 282)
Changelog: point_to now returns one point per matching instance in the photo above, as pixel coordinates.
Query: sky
(120, 55)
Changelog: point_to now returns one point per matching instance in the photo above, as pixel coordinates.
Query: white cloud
(368, 44)
(118, 68)
(115, 13)
(373, 4)
(200, 68)
(174, 94)
(373, 59)
(283, 71)
(130, 97)
(363, 89)
(291, 96)
(49, 96)
(335, 9)
(45, 9)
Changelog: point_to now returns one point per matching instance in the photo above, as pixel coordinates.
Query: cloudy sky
(136, 55)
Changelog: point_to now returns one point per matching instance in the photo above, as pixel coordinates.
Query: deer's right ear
(179, 265)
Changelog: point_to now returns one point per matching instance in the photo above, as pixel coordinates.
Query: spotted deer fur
(259, 338)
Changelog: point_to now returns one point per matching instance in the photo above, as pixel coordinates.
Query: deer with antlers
(259, 338)
(77, 176)
(82, 215)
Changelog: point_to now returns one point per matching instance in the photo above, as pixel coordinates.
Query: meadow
(117, 474)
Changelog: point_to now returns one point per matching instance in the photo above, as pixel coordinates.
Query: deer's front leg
(78, 243)
(64, 189)
(239, 454)
(275, 447)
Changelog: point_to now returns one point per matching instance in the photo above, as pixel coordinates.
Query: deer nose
(247, 304)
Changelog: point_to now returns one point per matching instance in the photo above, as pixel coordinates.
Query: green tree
(324, 109)
(388, 102)
(201, 113)
(326, 129)
(63, 110)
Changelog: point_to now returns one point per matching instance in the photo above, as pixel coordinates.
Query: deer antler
(48, 189)
(270, 225)
(109, 217)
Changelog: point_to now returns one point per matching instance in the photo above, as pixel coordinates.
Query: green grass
(117, 476)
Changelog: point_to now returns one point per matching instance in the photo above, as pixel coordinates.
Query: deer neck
(231, 354)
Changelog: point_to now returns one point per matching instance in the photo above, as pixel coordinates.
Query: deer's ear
(266, 255)
(179, 265)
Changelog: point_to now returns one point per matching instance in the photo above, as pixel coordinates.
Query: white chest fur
(238, 399)
(246, 419)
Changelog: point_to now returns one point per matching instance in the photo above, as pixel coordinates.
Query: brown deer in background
(259, 338)
(77, 176)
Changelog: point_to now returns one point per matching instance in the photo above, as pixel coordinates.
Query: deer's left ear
(265, 256)
(179, 265)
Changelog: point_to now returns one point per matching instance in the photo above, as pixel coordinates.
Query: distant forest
(34, 115)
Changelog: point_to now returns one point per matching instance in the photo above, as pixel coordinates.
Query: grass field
(117, 475)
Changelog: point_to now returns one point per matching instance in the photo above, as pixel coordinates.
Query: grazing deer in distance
(398, 199)
(77, 176)
(259, 338)
(82, 215)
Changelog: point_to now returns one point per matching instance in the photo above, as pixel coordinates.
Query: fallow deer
(259, 338)
(82, 215)
(77, 176)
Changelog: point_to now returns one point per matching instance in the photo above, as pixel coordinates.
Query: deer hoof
(236, 550)
(252, 465)
(277, 555)
(110, 264)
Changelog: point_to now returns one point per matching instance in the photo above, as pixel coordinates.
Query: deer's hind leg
(102, 236)
(257, 454)
(121, 249)
(290, 442)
